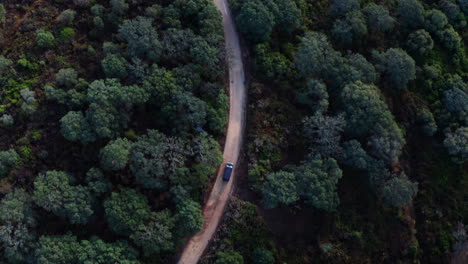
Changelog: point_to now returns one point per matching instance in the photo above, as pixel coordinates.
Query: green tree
(6, 121)
(97, 251)
(427, 122)
(324, 133)
(289, 15)
(189, 217)
(67, 34)
(399, 191)
(114, 66)
(355, 156)
(66, 77)
(342, 7)
(397, 65)
(74, 127)
(349, 29)
(229, 257)
(97, 182)
(119, 7)
(271, 64)
(7, 160)
(206, 152)
(53, 192)
(2, 13)
(378, 18)
(435, 21)
(411, 13)
(57, 249)
(280, 189)
(419, 42)
(67, 17)
(316, 181)
(262, 256)
(364, 108)
(45, 39)
(457, 144)
(155, 157)
(315, 96)
(126, 211)
(327, 62)
(115, 155)
(255, 21)
(156, 236)
(17, 241)
(141, 37)
(450, 38)
(16, 207)
(387, 143)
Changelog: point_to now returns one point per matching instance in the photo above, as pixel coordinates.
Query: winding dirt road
(221, 191)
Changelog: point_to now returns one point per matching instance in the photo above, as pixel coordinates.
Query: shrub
(44, 39)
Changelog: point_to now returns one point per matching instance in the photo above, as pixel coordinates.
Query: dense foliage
(111, 112)
(359, 112)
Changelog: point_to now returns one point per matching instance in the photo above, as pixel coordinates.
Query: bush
(44, 39)
(66, 77)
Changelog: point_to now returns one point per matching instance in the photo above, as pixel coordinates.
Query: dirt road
(221, 191)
